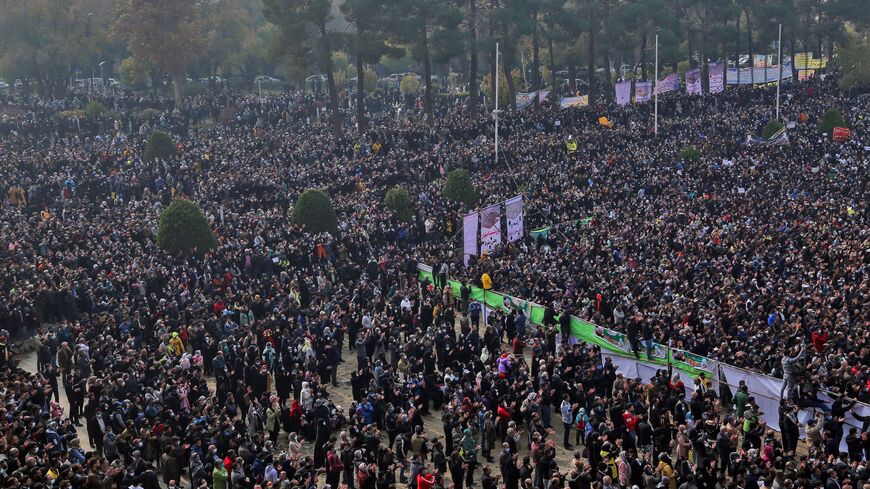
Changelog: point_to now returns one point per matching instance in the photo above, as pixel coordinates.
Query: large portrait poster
(513, 209)
(490, 228)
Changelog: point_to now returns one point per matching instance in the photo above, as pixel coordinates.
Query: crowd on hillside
(222, 372)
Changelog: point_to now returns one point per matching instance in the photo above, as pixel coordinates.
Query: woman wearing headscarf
(468, 451)
(294, 447)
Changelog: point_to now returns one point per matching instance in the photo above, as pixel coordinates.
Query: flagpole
(655, 87)
(779, 61)
(495, 113)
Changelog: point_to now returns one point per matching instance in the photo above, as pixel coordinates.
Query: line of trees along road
(48, 42)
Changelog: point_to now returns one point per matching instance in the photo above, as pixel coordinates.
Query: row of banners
(762, 73)
(525, 100)
(717, 76)
(644, 90)
(616, 346)
(489, 222)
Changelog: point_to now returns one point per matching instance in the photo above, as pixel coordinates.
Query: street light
(102, 77)
(495, 112)
(655, 86)
(779, 62)
(88, 36)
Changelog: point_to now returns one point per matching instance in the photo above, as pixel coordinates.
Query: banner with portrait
(524, 100)
(490, 228)
(513, 209)
(642, 91)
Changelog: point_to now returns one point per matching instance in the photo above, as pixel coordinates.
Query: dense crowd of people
(224, 371)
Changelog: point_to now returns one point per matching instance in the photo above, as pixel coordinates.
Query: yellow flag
(605, 122)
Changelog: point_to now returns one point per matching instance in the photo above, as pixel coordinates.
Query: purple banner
(469, 233)
(693, 81)
(667, 84)
(642, 91)
(623, 92)
(717, 77)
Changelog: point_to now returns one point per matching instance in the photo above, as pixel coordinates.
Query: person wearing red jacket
(820, 340)
(425, 481)
(630, 419)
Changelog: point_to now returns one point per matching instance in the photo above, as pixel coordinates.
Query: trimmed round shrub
(95, 109)
(184, 231)
(313, 211)
(160, 145)
(690, 154)
(409, 85)
(398, 201)
(830, 119)
(458, 188)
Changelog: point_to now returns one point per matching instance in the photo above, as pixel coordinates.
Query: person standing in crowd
(225, 368)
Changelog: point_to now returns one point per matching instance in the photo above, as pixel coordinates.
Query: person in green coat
(272, 422)
(219, 476)
(741, 398)
(468, 451)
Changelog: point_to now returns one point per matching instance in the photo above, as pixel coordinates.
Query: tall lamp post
(656, 88)
(495, 112)
(779, 62)
(102, 77)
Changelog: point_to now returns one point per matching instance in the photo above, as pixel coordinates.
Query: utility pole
(495, 112)
(779, 62)
(655, 87)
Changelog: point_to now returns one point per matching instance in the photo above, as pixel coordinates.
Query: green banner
(609, 340)
(545, 231)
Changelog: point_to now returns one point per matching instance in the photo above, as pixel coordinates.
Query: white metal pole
(655, 88)
(779, 62)
(496, 103)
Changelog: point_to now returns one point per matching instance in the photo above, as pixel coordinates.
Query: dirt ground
(342, 396)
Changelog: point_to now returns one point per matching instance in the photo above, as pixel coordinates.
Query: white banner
(623, 92)
(490, 228)
(764, 389)
(513, 209)
(469, 235)
(632, 369)
(693, 81)
(851, 421)
(746, 76)
(716, 72)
